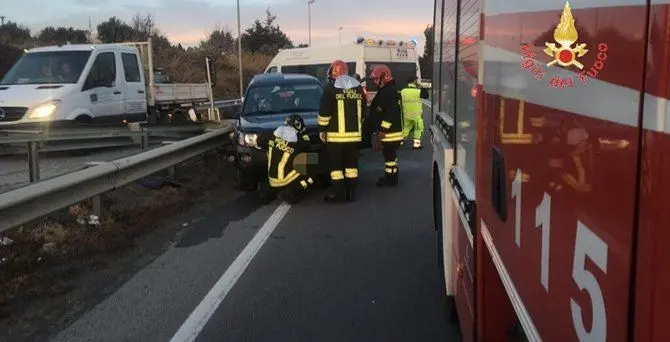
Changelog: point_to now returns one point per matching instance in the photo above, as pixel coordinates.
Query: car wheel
(246, 181)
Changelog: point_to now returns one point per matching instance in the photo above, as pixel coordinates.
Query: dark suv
(269, 99)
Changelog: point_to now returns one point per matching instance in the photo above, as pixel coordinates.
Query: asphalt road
(363, 271)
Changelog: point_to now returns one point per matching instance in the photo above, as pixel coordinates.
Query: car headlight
(43, 110)
(247, 139)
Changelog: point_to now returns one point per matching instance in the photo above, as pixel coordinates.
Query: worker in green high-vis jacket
(412, 109)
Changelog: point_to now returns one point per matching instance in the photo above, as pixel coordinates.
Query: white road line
(426, 102)
(190, 330)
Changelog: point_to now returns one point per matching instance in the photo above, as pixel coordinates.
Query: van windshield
(52, 67)
(320, 71)
(401, 72)
(282, 99)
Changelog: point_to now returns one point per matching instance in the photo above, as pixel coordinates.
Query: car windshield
(47, 68)
(281, 99)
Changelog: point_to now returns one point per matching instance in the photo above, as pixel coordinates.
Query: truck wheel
(156, 116)
(180, 117)
(246, 181)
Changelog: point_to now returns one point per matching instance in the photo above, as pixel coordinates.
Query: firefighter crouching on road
(412, 110)
(339, 122)
(387, 122)
(286, 151)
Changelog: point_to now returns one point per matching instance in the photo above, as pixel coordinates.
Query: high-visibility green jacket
(412, 107)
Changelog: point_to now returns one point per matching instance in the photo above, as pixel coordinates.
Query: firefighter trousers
(389, 151)
(343, 164)
(415, 124)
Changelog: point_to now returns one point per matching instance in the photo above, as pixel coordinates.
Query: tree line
(260, 42)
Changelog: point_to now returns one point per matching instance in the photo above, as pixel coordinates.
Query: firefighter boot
(389, 180)
(266, 193)
(289, 195)
(351, 190)
(338, 194)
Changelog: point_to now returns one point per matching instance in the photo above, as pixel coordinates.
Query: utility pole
(209, 66)
(309, 20)
(2, 20)
(90, 31)
(340, 35)
(239, 48)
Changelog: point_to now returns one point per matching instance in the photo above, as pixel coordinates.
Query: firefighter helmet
(296, 122)
(337, 68)
(381, 73)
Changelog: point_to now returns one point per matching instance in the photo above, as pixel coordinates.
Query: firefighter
(387, 122)
(340, 128)
(412, 110)
(283, 146)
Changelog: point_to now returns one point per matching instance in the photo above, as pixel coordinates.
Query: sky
(189, 21)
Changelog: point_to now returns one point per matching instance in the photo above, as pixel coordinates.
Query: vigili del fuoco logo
(566, 52)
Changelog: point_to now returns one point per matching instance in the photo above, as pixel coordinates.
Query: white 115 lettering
(587, 244)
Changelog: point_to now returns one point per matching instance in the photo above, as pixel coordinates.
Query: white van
(401, 57)
(91, 83)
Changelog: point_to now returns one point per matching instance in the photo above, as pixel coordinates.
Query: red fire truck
(551, 167)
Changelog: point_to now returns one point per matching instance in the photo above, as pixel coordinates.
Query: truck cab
(96, 83)
(103, 83)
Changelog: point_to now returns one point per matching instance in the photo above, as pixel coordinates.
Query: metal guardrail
(66, 136)
(28, 203)
(228, 103)
(86, 137)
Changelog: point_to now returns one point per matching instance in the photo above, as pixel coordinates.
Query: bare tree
(143, 26)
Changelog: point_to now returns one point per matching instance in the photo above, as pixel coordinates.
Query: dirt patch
(62, 265)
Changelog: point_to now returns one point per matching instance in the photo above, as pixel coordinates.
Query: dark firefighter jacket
(386, 113)
(341, 110)
(281, 156)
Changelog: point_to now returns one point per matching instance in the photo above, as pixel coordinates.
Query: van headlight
(247, 139)
(43, 110)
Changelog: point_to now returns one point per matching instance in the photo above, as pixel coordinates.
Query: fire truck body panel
(652, 279)
(558, 162)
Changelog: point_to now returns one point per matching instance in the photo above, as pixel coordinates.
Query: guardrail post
(171, 169)
(97, 206)
(145, 141)
(34, 161)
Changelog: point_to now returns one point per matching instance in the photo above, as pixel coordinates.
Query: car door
(135, 103)
(101, 88)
